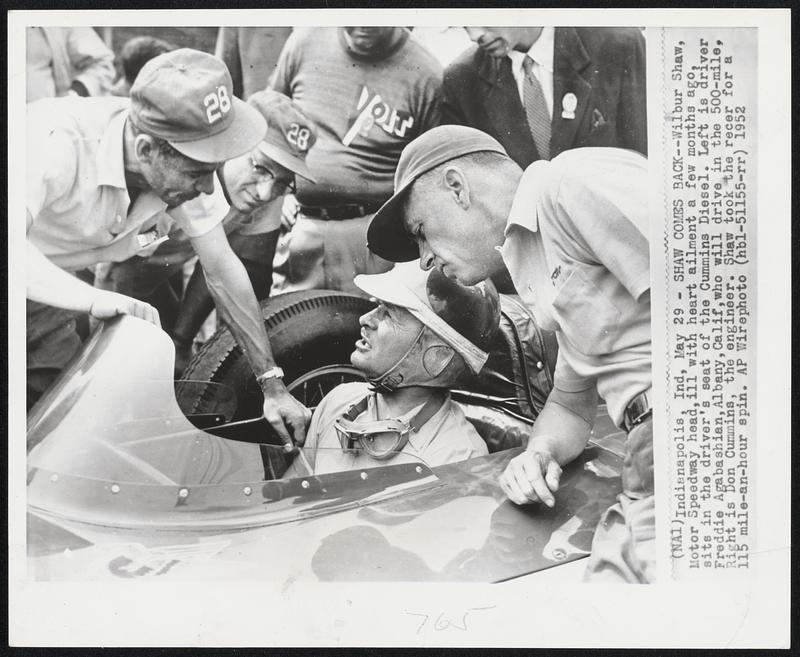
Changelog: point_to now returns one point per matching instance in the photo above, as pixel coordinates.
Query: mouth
(362, 344)
(495, 47)
(179, 199)
(248, 200)
(448, 274)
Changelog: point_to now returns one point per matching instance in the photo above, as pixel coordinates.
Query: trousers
(624, 546)
(51, 341)
(321, 254)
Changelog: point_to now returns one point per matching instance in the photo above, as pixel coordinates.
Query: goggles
(381, 439)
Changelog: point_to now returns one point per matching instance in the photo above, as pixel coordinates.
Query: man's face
(387, 333)
(176, 178)
(254, 179)
(369, 40)
(498, 41)
(457, 241)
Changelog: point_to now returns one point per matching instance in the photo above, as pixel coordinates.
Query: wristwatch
(272, 373)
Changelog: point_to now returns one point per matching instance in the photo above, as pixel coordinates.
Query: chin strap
(388, 382)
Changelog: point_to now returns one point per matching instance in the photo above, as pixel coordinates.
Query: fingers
(553, 476)
(110, 304)
(513, 483)
(299, 423)
(285, 415)
(534, 468)
(144, 311)
(273, 416)
(531, 477)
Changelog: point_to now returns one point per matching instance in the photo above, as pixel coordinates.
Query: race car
(134, 475)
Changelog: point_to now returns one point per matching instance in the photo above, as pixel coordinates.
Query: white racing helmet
(464, 317)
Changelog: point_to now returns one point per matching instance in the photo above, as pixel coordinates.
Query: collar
(110, 154)
(523, 208)
(541, 52)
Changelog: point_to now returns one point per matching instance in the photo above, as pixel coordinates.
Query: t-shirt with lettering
(366, 110)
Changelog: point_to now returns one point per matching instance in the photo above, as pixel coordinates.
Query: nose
(425, 257)
(475, 33)
(205, 184)
(264, 189)
(369, 319)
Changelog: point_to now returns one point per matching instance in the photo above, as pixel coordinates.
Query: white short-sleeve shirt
(77, 199)
(577, 250)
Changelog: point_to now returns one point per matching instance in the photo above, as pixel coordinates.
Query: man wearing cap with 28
(101, 172)
(572, 232)
(425, 333)
(253, 185)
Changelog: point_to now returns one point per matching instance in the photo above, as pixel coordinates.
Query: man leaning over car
(573, 234)
(101, 171)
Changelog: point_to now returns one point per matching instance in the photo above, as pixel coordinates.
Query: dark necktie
(536, 109)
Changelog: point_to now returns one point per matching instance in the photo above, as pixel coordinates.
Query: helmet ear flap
(436, 358)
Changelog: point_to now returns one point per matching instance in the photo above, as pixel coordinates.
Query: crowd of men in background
(363, 94)
(269, 168)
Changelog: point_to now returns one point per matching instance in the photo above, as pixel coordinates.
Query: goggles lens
(380, 440)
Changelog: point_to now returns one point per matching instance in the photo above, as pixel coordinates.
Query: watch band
(272, 373)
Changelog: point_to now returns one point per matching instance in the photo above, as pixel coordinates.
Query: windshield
(111, 445)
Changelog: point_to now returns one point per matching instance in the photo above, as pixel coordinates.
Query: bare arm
(236, 302)
(559, 435)
(51, 285)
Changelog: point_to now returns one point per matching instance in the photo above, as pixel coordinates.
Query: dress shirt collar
(523, 208)
(540, 52)
(110, 153)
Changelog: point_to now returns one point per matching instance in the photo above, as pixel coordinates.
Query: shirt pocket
(587, 316)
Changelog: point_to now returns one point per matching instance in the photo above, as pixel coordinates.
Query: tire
(312, 335)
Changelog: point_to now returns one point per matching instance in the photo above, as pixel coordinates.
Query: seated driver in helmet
(425, 333)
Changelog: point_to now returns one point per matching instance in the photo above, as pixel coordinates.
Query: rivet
(247, 490)
(418, 469)
(114, 488)
(539, 365)
(183, 493)
(54, 478)
(305, 484)
(559, 554)
(364, 475)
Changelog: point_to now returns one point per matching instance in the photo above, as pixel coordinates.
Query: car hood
(122, 485)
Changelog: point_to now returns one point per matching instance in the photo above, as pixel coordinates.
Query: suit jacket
(603, 67)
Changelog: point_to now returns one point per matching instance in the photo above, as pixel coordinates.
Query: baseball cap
(290, 134)
(186, 98)
(386, 235)
(464, 316)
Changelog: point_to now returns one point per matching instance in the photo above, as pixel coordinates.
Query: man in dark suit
(587, 84)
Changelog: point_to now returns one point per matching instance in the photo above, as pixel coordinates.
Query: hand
(110, 304)
(287, 416)
(533, 476)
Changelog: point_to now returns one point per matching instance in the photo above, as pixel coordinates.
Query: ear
(145, 148)
(436, 358)
(457, 185)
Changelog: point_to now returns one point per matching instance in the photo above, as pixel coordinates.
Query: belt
(340, 212)
(637, 411)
